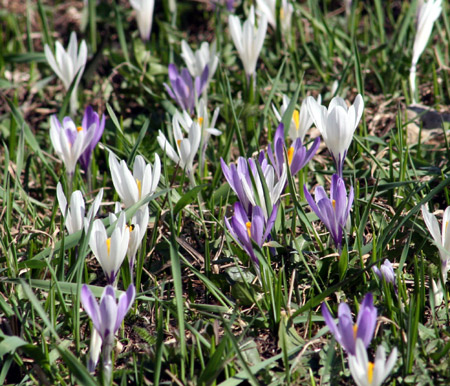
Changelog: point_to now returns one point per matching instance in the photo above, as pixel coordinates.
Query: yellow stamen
(290, 155)
(370, 367)
(79, 128)
(248, 224)
(108, 245)
(446, 226)
(355, 330)
(131, 228)
(138, 183)
(296, 118)
(334, 204)
(200, 121)
(281, 13)
(178, 142)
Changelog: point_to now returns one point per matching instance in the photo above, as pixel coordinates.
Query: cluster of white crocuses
(111, 246)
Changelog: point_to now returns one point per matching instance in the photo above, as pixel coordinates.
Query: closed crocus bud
(91, 122)
(67, 64)
(334, 212)
(248, 39)
(144, 16)
(386, 271)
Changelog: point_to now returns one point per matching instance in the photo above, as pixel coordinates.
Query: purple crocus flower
(333, 211)
(386, 271)
(345, 331)
(297, 154)
(91, 121)
(107, 316)
(182, 88)
(242, 176)
(245, 230)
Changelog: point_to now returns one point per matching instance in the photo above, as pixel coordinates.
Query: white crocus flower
(337, 125)
(204, 56)
(268, 9)
(110, 251)
(69, 141)
(74, 213)
(131, 188)
(442, 240)
(301, 119)
(67, 64)
(366, 373)
(144, 16)
(427, 13)
(247, 40)
(187, 148)
(138, 227)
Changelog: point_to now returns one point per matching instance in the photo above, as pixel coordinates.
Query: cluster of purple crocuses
(259, 185)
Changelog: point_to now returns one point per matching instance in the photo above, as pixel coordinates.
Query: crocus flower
(247, 40)
(110, 251)
(442, 240)
(138, 227)
(301, 119)
(337, 125)
(268, 9)
(67, 64)
(366, 373)
(333, 211)
(197, 62)
(346, 333)
(297, 155)
(187, 148)
(69, 141)
(240, 179)
(245, 230)
(106, 318)
(144, 16)
(427, 13)
(74, 214)
(91, 121)
(386, 271)
(131, 188)
(182, 88)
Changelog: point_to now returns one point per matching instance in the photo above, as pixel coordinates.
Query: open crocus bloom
(144, 16)
(346, 333)
(240, 179)
(442, 240)
(204, 56)
(247, 39)
(334, 211)
(67, 64)
(187, 148)
(297, 154)
(74, 214)
(245, 230)
(366, 373)
(91, 122)
(110, 251)
(337, 125)
(301, 119)
(131, 188)
(69, 141)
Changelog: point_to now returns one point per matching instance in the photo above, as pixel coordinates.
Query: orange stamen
(248, 224)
